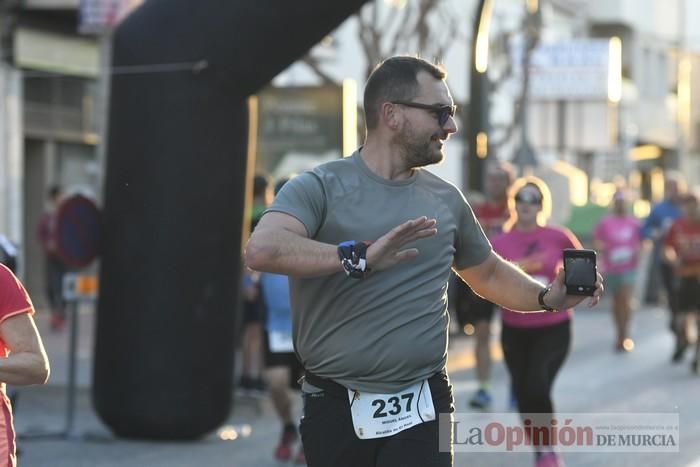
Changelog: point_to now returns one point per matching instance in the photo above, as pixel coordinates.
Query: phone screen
(580, 270)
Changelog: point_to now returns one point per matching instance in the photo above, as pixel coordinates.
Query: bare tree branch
(449, 38)
(500, 47)
(421, 27)
(392, 24)
(313, 63)
(532, 26)
(400, 35)
(412, 28)
(367, 38)
(508, 129)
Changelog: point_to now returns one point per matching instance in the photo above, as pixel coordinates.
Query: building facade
(48, 81)
(50, 88)
(648, 119)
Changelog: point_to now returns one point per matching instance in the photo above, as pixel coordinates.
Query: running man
(655, 227)
(283, 369)
(683, 253)
(368, 243)
(251, 381)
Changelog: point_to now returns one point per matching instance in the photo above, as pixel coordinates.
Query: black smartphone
(580, 272)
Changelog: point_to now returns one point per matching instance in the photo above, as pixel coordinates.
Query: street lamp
(478, 126)
(525, 156)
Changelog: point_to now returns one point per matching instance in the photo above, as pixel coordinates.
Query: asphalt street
(594, 380)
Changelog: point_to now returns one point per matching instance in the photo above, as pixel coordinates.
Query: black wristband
(353, 258)
(540, 298)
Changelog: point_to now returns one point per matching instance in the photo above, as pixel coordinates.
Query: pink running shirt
(539, 253)
(621, 236)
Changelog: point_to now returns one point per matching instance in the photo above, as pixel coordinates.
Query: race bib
(382, 415)
(280, 342)
(622, 254)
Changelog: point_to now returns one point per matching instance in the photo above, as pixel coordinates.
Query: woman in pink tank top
(535, 345)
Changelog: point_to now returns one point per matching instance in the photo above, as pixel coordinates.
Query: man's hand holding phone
(578, 279)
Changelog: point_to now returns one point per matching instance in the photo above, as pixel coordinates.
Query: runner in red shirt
(22, 357)
(683, 251)
(471, 308)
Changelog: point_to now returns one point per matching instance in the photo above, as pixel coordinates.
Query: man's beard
(416, 151)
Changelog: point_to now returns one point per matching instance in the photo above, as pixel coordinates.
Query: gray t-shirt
(387, 331)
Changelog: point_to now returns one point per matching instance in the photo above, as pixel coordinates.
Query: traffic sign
(77, 231)
(79, 287)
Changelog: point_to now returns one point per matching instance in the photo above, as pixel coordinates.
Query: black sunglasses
(442, 112)
(528, 198)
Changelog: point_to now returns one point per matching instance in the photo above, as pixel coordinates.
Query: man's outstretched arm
(280, 244)
(503, 283)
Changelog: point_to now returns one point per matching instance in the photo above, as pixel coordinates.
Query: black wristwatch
(540, 298)
(353, 258)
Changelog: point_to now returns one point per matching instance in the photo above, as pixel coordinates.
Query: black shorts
(284, 359)
(470, 307)
(689, 294)
(329, 437)
(253, 311)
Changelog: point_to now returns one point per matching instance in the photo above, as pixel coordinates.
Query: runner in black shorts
(689, 303)
(253, 308)
(476, 312)
(473, 309)
(368, 243)
(288, 361)
(682, 251)
(283, 370)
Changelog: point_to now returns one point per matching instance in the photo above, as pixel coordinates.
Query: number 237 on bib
(382, 415)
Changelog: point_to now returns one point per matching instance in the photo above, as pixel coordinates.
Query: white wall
(662, 19)
(11, 150)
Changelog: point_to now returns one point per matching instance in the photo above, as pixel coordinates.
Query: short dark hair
(394, 79)
(280, 183)
(54, 191)
(260, 185)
